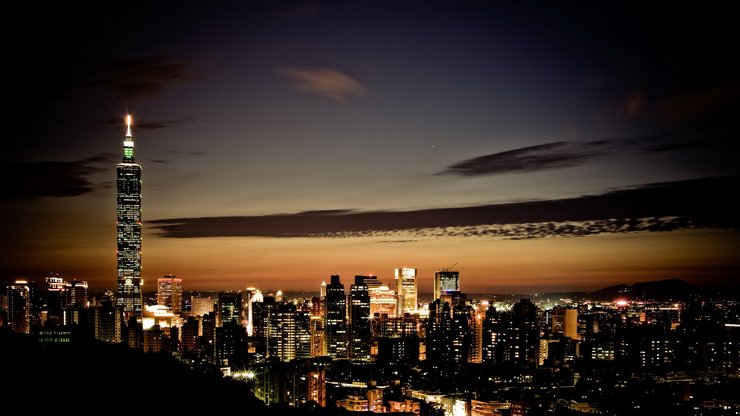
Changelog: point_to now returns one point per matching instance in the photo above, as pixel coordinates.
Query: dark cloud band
(563, 154)
(29, 180)
(656, 207)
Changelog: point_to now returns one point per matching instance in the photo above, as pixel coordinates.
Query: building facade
(335, 322)
(446, 282)
(406, 290)
(128, 228)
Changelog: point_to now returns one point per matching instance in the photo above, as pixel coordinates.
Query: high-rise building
(518, 336)
(19, 307)
(108, 322)
(289, 333)
(155, 339)
(169, 293)
(570, 329)
(201, 306)
(477, 317)
(382, 301)
(189, 336)
(229, 308)
(128, 226)
(448, 332)
(490, 337)
(56, 301)
(359, 319)
(335, 318)
(406, 293)
(77, 294)
(398, 341)
(318, 335)
(231, 345)
(251, 295)
(446, 282)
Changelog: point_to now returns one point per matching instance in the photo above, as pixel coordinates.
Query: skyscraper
(359, 317)
(128, 225)
(405, 290)
(169, 293)
(335, 317)
(19, 306)
(229, 308)
(77, 294)
(446, 282)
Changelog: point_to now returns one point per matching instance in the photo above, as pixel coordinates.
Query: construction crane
(447, 269)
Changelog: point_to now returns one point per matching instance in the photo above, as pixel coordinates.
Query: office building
(19, 307)
(398, 340)
(128, 230)
(359, 319)
(446, 282)
(229, 308)
(169, 293)
(289, 333)
(56, 292)
(406, 290)
(382, 301)
(189, 336)
(77, 294)
(201, 306)
(335, 322)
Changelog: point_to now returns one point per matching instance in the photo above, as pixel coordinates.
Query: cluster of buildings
(366, 345)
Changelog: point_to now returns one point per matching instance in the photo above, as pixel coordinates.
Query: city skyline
(533, 149)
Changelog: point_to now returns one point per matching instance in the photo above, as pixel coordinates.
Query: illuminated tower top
(128, 144)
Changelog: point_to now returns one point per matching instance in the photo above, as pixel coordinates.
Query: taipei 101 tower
(128, 227)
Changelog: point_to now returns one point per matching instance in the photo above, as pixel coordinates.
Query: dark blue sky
(251, 109)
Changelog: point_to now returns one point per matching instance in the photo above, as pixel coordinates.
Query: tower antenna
(128, 125)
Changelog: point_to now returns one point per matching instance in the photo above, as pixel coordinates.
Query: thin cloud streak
(327, 83)
(564, 154)
(656, 207)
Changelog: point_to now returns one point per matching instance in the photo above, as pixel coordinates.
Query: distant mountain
(669, 289)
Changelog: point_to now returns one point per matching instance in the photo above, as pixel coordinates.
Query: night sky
(560, 147)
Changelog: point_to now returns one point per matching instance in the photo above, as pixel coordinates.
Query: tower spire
(128, 142)
(128, 125)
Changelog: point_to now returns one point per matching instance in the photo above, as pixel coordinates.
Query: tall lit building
(77, 294)
(107, 320)
(318, 344)
(446, 282)
(382, 301)
(571, 324)
(56, 289)
(201, 306)
(289, 333)
(19, 306)
(169, 293)
(398, 341)
(335, 318)
(251, 295)
(128, 225)
(405, 290)
(359, 319)
(229, 308)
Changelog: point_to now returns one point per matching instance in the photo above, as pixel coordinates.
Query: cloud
(149, 124)
(139, 77)
(30, 180)
(564, 154)
(328, 83)
(657, 207)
